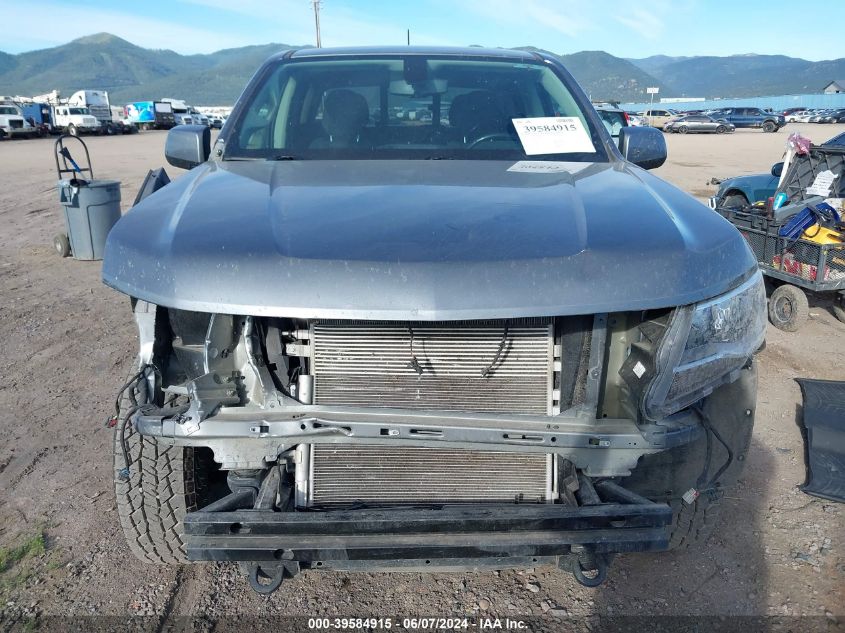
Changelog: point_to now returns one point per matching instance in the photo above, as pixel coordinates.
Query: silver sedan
(698, 123)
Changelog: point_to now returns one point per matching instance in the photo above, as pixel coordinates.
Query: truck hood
(422, 240)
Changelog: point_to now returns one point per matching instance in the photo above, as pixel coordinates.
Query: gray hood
(421, 240)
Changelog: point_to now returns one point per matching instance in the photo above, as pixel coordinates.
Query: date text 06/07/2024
(445, 624)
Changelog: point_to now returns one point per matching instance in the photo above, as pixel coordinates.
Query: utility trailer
(814, 260)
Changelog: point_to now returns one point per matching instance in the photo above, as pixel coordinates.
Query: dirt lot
(65, 339)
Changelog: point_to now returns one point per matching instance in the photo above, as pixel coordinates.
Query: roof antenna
(409, 37)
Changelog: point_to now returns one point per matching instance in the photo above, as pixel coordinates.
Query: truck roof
(452, 51)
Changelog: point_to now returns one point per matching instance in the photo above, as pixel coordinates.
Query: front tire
(721, 129)
(153, 502)
(668, 475)
(683, 129)
(769, 127)
(164, 484)
(71, 129)
(735, 201)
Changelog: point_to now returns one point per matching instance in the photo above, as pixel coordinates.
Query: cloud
(288, 21)
(292, 21)
(645, 22)
(566, 18)
(40, 26)
(341, 27)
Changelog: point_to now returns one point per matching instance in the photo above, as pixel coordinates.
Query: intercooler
(380, 475)
(480, 366)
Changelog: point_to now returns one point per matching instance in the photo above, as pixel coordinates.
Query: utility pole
(316, 5)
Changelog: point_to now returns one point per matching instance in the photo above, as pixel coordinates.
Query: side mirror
(777, 169)
(643, 146)
(188, 146)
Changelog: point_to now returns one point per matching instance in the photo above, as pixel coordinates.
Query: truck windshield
(78, 110)
(7, 110)
(412, 107)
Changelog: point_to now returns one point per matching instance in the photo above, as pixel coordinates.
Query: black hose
(124, 474)
(710, 429)
(132, 382)
(728, 461)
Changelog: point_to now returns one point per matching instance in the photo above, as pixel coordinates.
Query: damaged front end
(451, 445)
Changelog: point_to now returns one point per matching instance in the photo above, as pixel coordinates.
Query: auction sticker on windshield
(553, 135)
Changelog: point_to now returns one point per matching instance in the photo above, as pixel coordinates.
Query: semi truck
(97, 102)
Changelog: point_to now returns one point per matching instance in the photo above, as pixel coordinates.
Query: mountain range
(131, 73)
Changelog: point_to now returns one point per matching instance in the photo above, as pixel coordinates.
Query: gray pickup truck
(415, 309)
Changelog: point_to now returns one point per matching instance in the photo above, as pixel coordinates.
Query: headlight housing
(702, 347)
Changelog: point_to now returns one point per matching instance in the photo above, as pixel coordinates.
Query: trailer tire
(164, 484)
(788, 308)
(839, 307)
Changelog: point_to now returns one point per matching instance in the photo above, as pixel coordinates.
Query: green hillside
(608, 78)
(742, 75)
(133, 73)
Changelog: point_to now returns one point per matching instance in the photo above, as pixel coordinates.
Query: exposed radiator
(335, 475)
(482, 366)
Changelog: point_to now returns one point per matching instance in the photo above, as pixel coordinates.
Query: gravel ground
(65, 338)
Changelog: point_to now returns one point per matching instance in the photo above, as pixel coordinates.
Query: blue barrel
(91, 209)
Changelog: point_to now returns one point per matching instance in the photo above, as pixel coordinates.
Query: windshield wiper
(283, 157)
(438, 157)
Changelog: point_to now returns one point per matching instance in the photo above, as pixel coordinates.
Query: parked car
(657, 117)
(753, 118)
(833, 116)
(614, 119)
(797, 116)
(215, 122)
(741, 191)
(698, 123)
(391, 344)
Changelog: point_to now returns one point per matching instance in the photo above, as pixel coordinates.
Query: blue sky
(626, 28)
